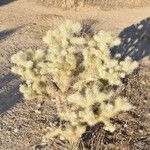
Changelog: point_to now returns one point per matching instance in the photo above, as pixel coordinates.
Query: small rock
(37, 111)
(15, 130)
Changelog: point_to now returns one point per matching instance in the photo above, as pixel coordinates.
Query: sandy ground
(22, 26)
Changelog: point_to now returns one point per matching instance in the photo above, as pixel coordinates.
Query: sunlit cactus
(77, 72)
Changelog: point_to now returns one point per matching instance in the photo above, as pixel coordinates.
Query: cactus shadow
(5, 2)
(9, 94)
(135, 41)
(6, 33)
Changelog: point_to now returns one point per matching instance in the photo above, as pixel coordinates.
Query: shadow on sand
(9, 96)
(5, 2)
(5, 33)
(135, 41)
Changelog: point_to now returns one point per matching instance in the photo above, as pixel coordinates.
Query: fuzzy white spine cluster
(27, 67)
(76, 70)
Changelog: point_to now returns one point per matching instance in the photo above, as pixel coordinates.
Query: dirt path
(22, 26)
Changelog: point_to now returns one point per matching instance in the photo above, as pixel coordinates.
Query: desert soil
(22, 123)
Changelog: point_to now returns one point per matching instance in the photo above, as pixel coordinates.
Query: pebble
(37, 111)
(125, 125)
(15, 130)
(140, 131)
(39, 105)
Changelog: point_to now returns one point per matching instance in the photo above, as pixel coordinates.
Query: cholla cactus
(27, 68)
(76, 71)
